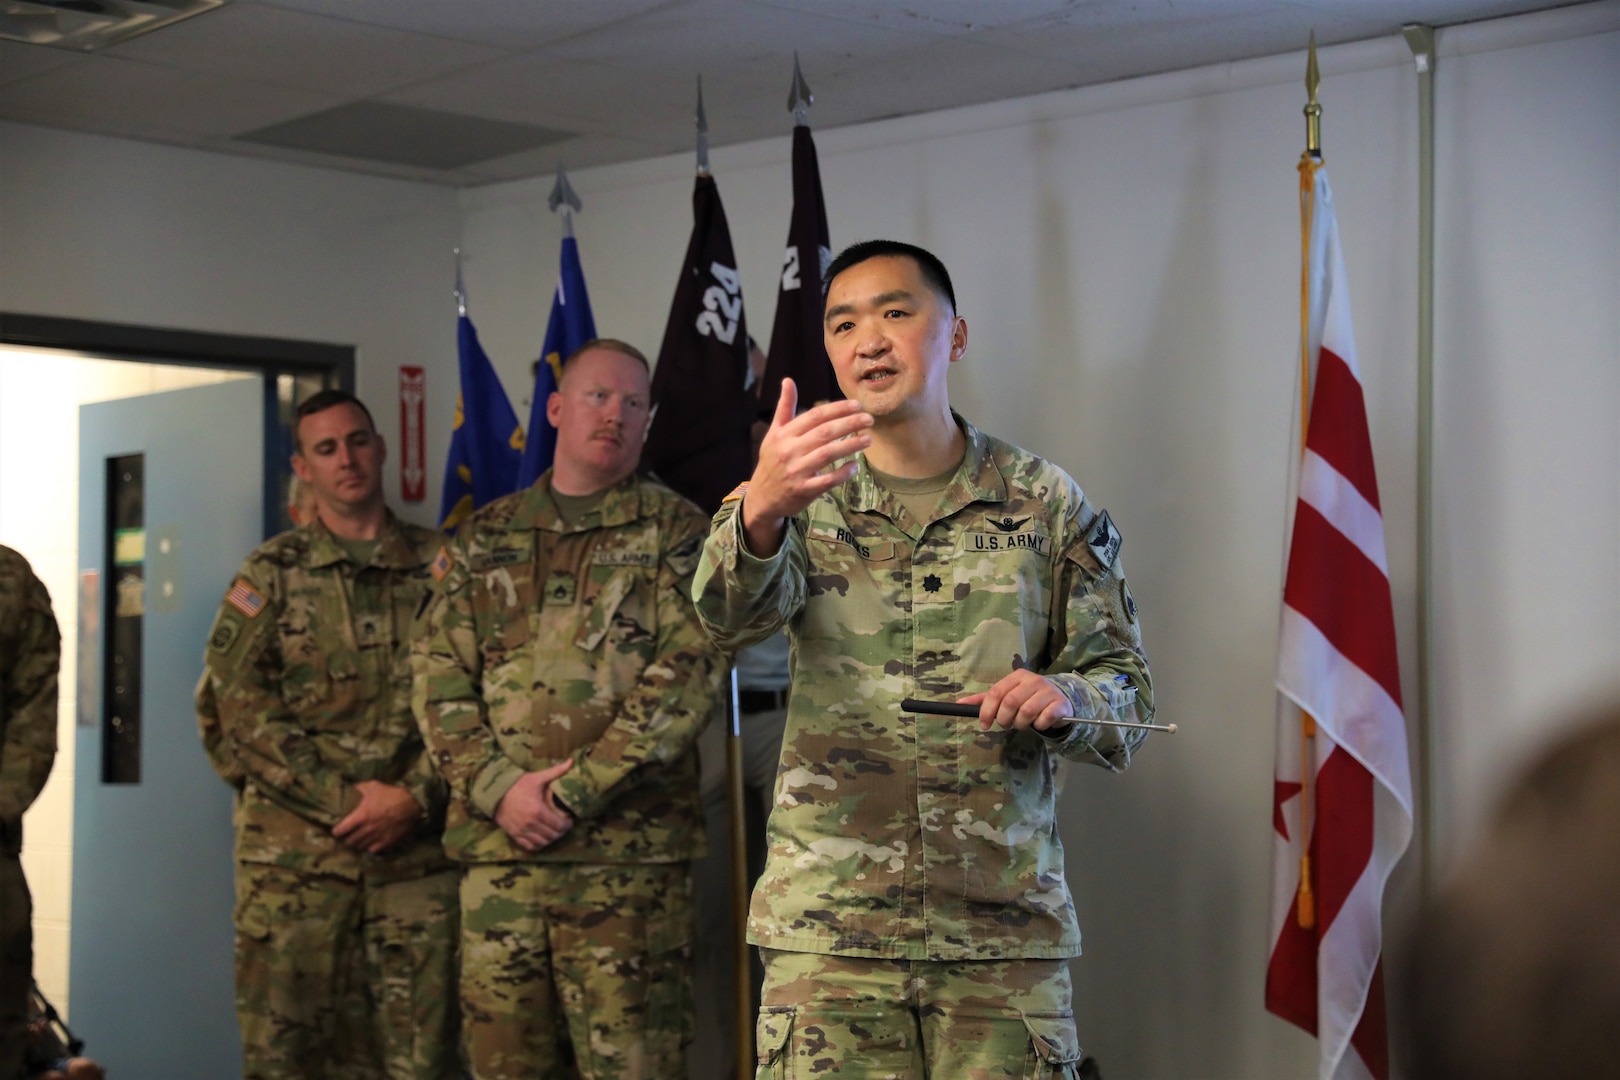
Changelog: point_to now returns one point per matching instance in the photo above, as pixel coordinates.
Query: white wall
(119, 231)
(40, 394)
(105, 229)
(1127, 259)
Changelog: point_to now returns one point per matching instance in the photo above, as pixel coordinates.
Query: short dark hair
(611, 345)
(320, 402)
(933, 271)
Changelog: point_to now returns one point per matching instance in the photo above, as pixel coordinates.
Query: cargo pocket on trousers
(1054, 1048)
(670, 1019)
(771, 1035)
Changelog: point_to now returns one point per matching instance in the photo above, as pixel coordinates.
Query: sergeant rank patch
(245, 598)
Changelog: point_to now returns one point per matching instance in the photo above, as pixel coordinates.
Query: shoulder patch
(736, 493)
(224, 635)
(1104, 540)
(245, 598)
(440, 564)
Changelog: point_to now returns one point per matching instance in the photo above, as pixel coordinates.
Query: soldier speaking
(913, 916)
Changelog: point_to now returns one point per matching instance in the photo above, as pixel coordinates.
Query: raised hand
(800, 458)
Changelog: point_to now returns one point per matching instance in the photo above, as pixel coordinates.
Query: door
(171, 498)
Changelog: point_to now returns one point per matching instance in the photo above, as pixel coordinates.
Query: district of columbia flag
(486, 443)
(1342, 803)
(570, 326)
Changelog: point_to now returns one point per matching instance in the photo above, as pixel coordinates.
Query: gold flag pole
(1309, 162)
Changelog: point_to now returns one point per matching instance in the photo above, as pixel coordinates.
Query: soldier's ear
(959, 338)
(300, 467)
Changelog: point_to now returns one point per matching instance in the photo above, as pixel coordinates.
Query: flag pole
(1309, 161)
(741, 973)
(460, 291)
(1420, 39)
(564, 195)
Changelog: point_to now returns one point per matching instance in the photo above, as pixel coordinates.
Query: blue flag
(570, 327)
(486, 444)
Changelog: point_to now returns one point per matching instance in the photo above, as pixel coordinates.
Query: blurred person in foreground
(1514, 965)
(30, 654)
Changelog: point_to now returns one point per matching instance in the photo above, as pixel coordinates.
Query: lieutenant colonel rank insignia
(1104, 540)
(245, 598)
(440, 564)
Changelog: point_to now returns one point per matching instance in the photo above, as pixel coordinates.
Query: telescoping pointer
(951, 708)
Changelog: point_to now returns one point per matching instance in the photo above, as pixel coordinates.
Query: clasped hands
(529, 811)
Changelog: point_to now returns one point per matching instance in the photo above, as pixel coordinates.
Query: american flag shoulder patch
(245, 598)
(736, 493)
(440, 564)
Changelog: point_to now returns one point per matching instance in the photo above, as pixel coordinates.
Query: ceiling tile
(580, 152)
(536, 89)
(740, 42)
(404, 135)
(309, 52)
(945, 18)
(1155, 36)
(505, 24)
(19, 61)
(113, 92)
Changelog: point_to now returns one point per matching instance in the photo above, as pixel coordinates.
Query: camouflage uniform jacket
(306, 692)
(548, 641)
(30, 651)
(896, 835)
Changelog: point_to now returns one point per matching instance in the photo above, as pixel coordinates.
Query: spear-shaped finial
(799, 96)
(461, 291)
(1313, 111)
(702, 134)
(563, 195)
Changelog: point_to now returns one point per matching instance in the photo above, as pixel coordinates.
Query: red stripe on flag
(1343, 830)
(1338, 427)
(1331, 583)
(1342, 840)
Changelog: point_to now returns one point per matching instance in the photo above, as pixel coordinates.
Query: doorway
(48, 369)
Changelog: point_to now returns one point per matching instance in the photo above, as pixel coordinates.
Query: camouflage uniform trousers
(16, 964)
(576, 969)
(343, 978)
(861, 1018)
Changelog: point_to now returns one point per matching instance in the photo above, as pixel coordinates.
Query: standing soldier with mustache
(561, 681)
(913, 916)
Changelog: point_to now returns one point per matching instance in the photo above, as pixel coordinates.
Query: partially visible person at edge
(562, 681)
(1512, 969)
(913, 917)
(30, 653)
(346, 919)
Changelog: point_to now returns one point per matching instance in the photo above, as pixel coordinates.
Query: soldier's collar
(393, 553)
(977, 479)
(620, 505)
